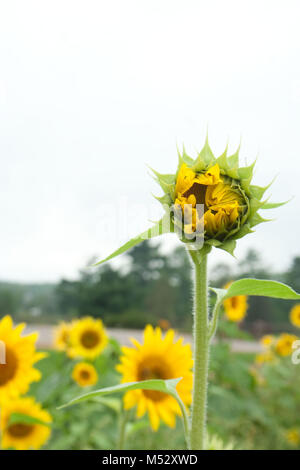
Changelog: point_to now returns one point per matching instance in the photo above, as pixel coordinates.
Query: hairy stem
(201, 354)
(122, 434)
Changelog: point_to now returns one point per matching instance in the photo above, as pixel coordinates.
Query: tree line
(152, 287)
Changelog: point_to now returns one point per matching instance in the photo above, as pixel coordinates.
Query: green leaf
(20, 418)
(219, 292)
(164, 386)
(258, 287)
(162, 226)
(112, 403)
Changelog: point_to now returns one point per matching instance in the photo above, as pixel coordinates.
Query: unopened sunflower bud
(213, 197)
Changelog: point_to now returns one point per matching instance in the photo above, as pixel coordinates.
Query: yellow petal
(210, 177)
(185, 179)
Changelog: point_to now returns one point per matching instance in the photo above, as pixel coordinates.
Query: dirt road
(123, 336)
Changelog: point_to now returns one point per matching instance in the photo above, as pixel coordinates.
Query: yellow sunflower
(235, 307)
(85, 374)
(157, 358)
(267, 341)
(17, 373)
(61, 336)
(263, 357)
(295, 315)
(284, 345)
(21, 435)
(293, 436)
(88, 338)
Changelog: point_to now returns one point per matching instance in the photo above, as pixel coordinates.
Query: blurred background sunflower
(87, 110)
(30, 430)
(235, 307)
(62, 336)
(17, 373)
(85, 374)
(157, 357)
(87, 338)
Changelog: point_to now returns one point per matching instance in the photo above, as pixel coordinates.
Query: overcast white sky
(92, 91)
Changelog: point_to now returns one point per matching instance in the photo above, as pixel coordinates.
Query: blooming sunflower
(17, 373)
(235, 307)
(61, 336)
(21, 435)
(284, 344)
(157, 358)
(267, 341)
(88, 338)
(85, 374)
(295, 315)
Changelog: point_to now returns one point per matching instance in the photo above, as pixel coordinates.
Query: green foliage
(251, 413)
(229, 329)
(248, 287)
(254, 415)
(149, 286)
(159, 385)
(152, 283)
(35, 300)
(164, 386)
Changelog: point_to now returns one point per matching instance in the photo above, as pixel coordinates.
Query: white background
(92, 91)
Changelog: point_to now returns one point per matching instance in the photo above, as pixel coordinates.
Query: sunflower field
(253, 398)
(93, 393)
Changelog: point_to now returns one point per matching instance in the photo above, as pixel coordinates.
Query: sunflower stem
(185, 419)
(123, 423)
(201, 353)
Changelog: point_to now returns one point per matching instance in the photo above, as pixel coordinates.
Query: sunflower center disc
(84, 374)
(20, 430)
(90, 339)
(149, 370)
(8, 370)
